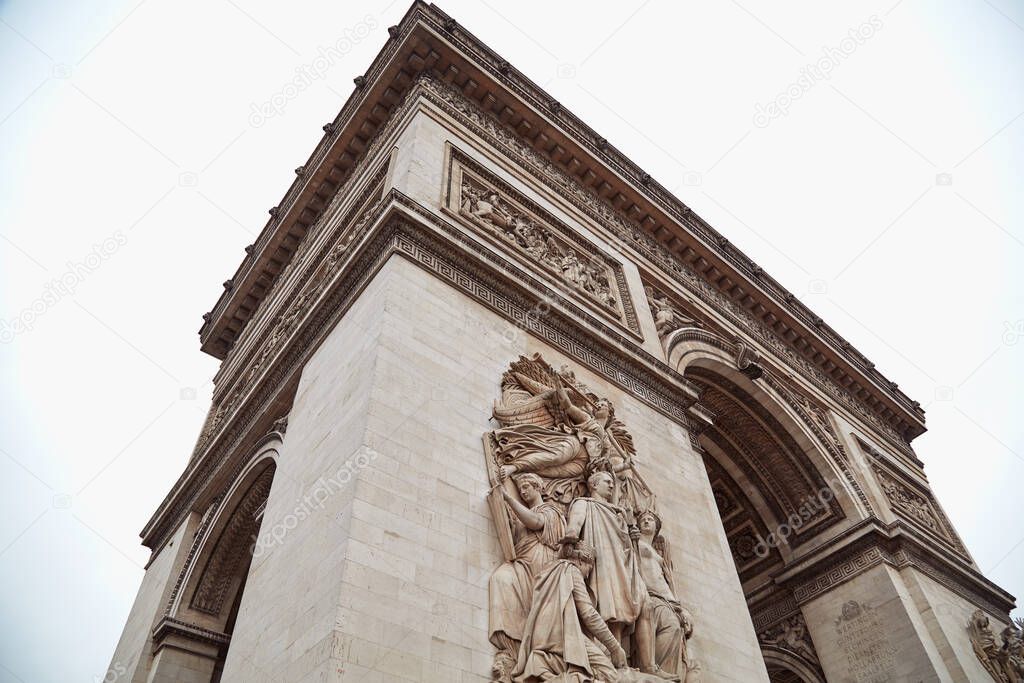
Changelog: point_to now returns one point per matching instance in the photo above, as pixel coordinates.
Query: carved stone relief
(770, 458)
(912, 503)
(509, 218)
(791, 635)
(1002, 658)
(744, 530)
(586, 590)
(668, 317)
(232, 547)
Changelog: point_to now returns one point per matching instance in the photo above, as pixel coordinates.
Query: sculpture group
(1003, 660)
(586, 590)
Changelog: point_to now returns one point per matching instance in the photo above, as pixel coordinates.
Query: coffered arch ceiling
(763, 479)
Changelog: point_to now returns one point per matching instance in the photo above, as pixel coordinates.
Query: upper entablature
(427, 41)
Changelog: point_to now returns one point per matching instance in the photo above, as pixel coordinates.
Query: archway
(776, 484)
(196, 630)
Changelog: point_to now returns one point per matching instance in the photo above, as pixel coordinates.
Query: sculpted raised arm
(530, 519)
(577, 415)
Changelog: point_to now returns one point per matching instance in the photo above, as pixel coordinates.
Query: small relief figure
(988, 651)
(664, 623)
(552, 252)
(563, 625)
(604, 291)
(487, 209)
(485, 206)
(664, 314)
(535, 244)
(793, 635)
(537, 527)
(572, 269)
(1013, 648)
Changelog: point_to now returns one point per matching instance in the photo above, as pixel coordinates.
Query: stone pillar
(868, 630)
(382, 574)
(182, 661)
(134, 652)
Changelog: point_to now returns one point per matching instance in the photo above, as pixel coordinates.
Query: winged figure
(553, 426)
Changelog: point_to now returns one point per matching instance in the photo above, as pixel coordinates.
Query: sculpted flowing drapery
(511, 584)
(581, 586)
(616, 583)
(557, 644)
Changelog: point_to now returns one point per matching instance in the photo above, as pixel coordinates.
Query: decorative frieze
(459, 107)
(447, 252)
(514, 222)
(911, 502)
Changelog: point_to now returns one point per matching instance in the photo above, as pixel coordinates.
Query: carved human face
(602, 410)
(603, 486)
(648, 525)
(529, 492)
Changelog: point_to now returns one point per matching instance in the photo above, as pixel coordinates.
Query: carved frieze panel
(519, 225)
(911, 501)
(792, 636)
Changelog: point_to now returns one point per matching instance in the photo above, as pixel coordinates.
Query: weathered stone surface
(341, 519)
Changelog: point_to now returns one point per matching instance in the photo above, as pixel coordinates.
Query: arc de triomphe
(494, 405)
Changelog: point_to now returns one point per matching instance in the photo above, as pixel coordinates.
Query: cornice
(168, 626)
(871, 543)
(427, 40)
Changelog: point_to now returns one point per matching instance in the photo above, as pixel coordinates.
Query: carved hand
(619, 657)
(634, 533)
(505, 471)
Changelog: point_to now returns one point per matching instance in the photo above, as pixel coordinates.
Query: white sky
(105, 110)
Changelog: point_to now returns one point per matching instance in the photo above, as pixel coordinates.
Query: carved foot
(502, 668)
(662, 674)
(636, 676)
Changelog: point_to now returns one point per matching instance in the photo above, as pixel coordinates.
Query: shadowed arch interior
(756, 443)
(769, 494)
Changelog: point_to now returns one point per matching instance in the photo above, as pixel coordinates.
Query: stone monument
(493, 405)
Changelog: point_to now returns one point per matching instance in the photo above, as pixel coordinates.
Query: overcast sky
(885, 193)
